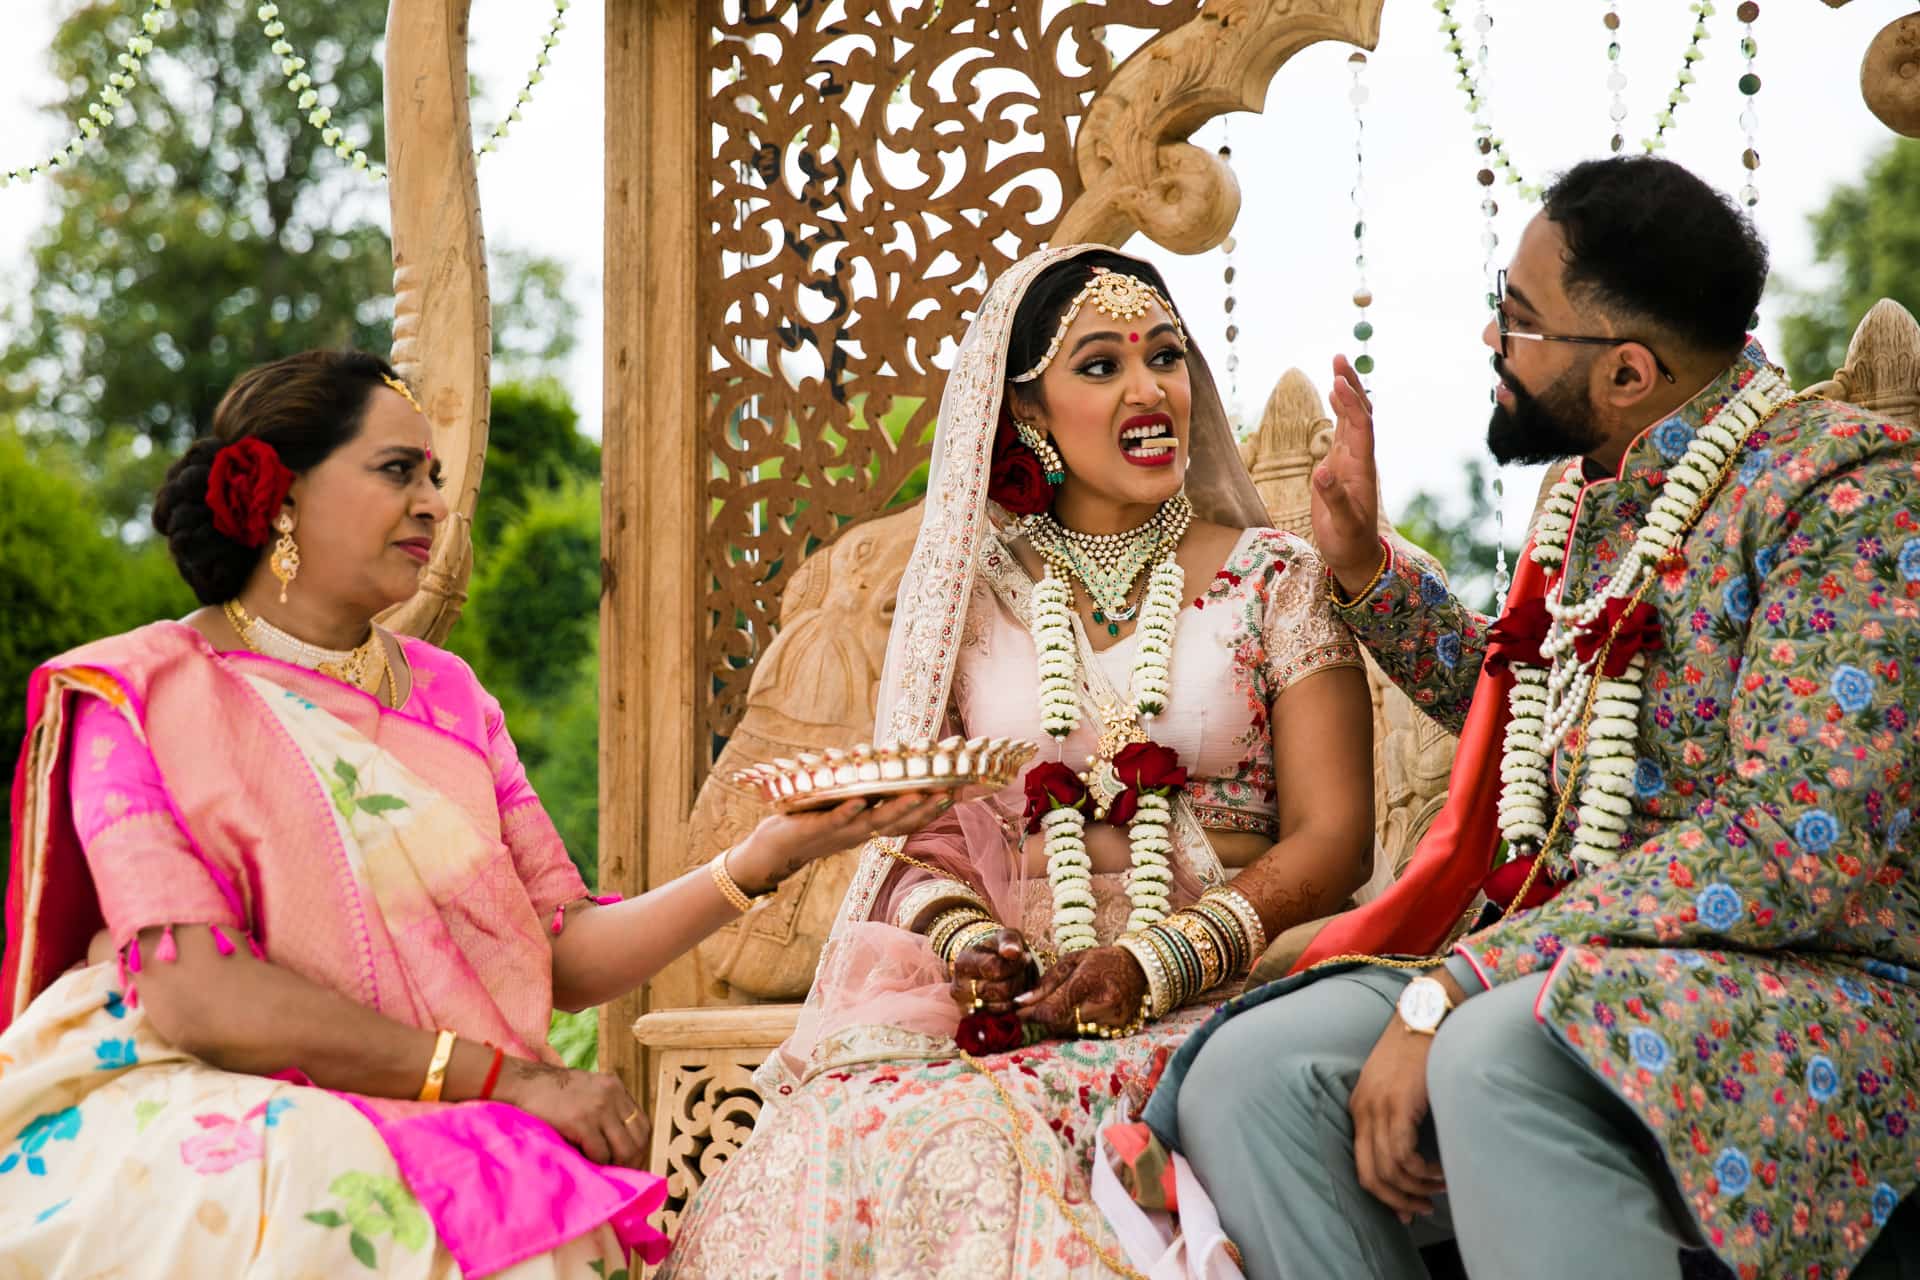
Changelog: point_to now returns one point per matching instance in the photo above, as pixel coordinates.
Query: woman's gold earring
(285, 560)
(1043, 449)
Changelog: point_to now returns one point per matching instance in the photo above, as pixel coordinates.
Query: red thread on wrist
(493, 1075)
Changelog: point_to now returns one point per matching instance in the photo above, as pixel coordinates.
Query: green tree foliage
(1462, 541)
(1868, 237)
(64, 578)
(531, 632)
(211, 232)
(533, 443)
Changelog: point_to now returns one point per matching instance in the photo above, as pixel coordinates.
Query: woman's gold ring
(628, 1122)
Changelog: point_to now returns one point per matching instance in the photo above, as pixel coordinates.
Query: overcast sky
(1547, 98)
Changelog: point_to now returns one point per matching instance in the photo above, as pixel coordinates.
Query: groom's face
(1543, 406)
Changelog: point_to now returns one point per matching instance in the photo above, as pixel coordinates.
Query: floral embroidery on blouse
(1282, 630)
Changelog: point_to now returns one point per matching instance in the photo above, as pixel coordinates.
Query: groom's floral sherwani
(1747, 975)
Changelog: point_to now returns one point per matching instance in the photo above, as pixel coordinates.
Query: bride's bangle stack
(1195, 950)
(955, 930)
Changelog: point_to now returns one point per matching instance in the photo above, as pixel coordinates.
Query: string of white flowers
(101, 113)
(320, 117)
(1546, 704)
(1149, 833)
(1069, 875)
(534, 77)
(301, 86)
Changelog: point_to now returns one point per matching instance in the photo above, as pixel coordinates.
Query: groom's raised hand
(1346, 487)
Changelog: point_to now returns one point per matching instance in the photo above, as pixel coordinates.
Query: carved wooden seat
(815, 687)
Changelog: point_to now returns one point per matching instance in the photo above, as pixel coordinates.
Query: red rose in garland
(1143, 767)
(1016, 480)
(1053, 786)
(981, 1034)
(1635, 632)
(245, 489)
(1518, 635)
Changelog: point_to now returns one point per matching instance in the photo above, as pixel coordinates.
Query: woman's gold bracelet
(1159, 991)
(730, 888)
(1333, 583)
(437, 1069)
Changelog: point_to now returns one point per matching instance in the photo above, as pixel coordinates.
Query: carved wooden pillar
(442, 326)
(651, 514)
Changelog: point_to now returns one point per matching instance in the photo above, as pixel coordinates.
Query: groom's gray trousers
(1547, 1172)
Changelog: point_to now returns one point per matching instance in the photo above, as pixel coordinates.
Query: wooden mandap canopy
(803, 197)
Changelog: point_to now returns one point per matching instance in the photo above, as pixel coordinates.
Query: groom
(1705, 1039)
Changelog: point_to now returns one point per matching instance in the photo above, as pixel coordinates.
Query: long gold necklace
(349, 666)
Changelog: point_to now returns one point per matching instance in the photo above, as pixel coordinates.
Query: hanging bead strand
(1362, 293)
(1227, 276)
(1616, 78)
(1749, 13)
(1663, 121)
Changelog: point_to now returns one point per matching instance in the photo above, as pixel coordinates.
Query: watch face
(1423, 1003)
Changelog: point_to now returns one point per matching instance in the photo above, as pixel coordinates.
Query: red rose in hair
(245, 489)
(984, 1033)
(1016, 479)
(1053, 786)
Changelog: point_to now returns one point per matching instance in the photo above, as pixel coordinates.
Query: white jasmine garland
(1149, 833)
(1546, 705)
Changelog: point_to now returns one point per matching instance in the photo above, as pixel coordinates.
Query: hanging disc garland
(1229, 304)
(1362, 292)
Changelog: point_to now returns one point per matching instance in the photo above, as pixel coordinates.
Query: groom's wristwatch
(1423, 1003)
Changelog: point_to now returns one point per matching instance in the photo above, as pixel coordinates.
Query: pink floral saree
(397, 857)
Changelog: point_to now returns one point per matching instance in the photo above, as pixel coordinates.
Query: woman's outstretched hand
(590, 1109)
(994, 970)
(784, 843)
(1102, 985)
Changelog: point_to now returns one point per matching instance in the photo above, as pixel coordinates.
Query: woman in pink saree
(285, 921)
(1093, 572)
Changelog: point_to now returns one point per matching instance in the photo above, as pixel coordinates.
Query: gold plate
(818, 780)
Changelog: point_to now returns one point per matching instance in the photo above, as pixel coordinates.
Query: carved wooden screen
(857, 202)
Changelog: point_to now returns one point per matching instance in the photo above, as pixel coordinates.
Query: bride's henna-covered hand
(995, 969)
(1104, 984)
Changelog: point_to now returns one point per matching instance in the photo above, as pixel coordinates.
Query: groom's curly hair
(1649, 242)
(1047, 298)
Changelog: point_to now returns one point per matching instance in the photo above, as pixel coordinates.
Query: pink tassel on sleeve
(253, 946)
(559, 919)
(606, 899)
(167, 952)
(133, 955)
(221, 940)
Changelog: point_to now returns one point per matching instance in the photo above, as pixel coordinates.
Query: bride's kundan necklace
(1590, 660)
(1130, 779)
(349, 666)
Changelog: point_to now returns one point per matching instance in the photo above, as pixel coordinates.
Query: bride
(1094, 573)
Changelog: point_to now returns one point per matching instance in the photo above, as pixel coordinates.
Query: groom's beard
(1558, 423)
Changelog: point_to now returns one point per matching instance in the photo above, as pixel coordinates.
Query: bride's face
(1116, 400)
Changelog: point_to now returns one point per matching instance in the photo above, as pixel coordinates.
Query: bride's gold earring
(1050, 460)
(285, 560)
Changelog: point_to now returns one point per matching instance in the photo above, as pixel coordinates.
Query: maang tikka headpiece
(1119, 296)
(405, 392)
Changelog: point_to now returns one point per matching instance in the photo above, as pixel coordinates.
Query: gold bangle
(1333, 583)
(728, 886)
(970, 935)
(1249, 915)
(437, 1069)
(1159, 998)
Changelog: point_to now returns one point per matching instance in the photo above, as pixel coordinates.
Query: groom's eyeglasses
(1507, 333)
